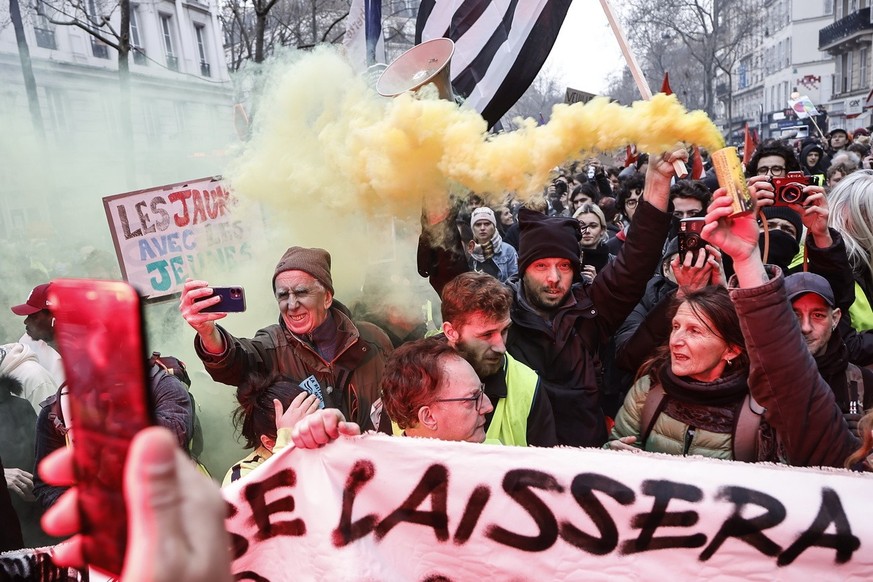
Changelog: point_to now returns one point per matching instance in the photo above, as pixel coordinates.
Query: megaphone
(425, 63)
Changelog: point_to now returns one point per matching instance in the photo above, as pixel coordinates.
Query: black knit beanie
(542, 237)
(786, 213)
(315, 261)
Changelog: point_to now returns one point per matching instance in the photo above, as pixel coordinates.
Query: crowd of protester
(583, 317)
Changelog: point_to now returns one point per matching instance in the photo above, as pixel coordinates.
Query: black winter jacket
(173, 410)
(563, 351)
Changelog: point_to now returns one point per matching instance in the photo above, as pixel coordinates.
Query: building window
(139, 54)
(862, 68)
(91, 10)
(44, 32)
(743, 72)
(45, 37)
(201, 47)
(43, 29)
(166, 24)
(846, 73)
(99, 49)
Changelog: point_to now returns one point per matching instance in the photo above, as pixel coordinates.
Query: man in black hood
(813, 160)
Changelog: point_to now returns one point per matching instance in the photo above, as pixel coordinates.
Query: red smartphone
(100, 335)
(233, 300)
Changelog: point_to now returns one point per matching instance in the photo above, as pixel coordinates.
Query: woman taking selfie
(725, 344)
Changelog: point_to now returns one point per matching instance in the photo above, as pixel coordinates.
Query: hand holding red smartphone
(99, 332)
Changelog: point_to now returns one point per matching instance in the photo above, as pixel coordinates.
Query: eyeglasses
(631, 202)
(590, 225)
(773, 170)
(477, 398)
(680, 214)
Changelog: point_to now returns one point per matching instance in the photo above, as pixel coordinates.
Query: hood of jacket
(14, 355)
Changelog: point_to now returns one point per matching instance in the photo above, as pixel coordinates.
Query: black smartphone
(690, 239)
(100, 335)
(233, 300)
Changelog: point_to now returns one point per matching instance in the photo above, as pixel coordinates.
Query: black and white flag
(500, 46)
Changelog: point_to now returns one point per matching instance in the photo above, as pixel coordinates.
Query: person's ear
(451, 333)
(328, 299)
(426, 419)
(267, 442)
(733, 353)
(837, 315)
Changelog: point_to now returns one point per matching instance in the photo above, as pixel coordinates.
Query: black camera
(789, 189)
(561, 187)
(689, 237)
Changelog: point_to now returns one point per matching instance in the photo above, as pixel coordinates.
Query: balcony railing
(99, 50)
(173, 62)
(844, 28)
(139, 55)
(204, 69)
(45, 38)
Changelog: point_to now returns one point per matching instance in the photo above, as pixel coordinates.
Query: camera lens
(791, 193)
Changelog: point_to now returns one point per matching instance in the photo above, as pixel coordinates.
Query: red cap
(36, 301)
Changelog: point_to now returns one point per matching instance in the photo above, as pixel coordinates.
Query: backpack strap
(157, 373)
(855, 387)
(655, 402)
(747, 424)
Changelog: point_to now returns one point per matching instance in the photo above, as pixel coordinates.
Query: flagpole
(820, 132)
(636, 72)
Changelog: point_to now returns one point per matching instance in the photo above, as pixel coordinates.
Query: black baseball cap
(800, 284)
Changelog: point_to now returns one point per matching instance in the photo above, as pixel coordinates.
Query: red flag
(630, 155)
(749, 144)
(665, 86)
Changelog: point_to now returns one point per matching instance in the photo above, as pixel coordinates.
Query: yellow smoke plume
(325, 138)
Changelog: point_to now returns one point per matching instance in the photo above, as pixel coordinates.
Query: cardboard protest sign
(164, 235)
(393, 508)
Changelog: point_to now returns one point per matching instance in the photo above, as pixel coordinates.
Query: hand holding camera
(694, 272)
(814, 216)
(791, 189)
(697, 264)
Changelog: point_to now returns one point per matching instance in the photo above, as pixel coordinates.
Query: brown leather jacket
(350, 382)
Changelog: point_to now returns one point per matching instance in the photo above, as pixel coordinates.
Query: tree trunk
(26, 68)
(260, 31)
(126, 140)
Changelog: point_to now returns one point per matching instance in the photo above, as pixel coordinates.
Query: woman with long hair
(729, 349)
(700, 377)
(595, 254)
(851, 203)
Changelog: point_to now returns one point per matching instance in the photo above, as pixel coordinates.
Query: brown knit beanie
(316, 262)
